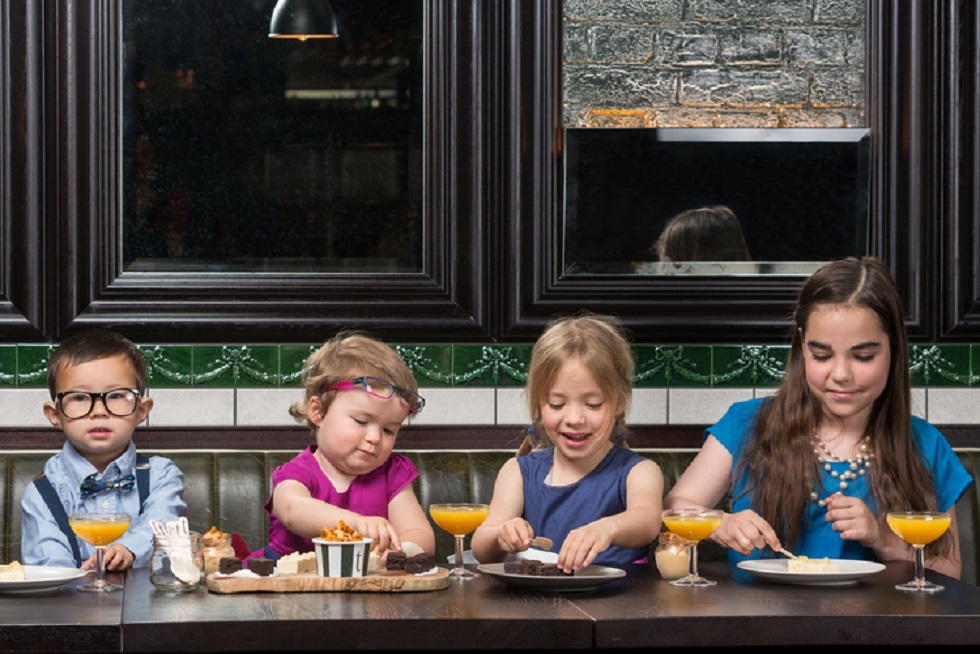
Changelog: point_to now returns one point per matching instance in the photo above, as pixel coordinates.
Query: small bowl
(342, 558)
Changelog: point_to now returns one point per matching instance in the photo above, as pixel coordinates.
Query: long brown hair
(780, 454)
(601, 344)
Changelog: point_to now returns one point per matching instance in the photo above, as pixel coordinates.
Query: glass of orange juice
(99, 530)
(919, 528)
(692, 525)
(459, 519)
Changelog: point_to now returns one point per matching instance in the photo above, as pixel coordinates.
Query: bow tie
(92, 487)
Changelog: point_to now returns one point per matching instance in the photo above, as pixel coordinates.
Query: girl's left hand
(582, 545)
(852, 519)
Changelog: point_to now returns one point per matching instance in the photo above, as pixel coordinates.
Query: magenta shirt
(368, 494)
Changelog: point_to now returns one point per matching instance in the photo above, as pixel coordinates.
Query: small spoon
(788, 553)
(542, 542)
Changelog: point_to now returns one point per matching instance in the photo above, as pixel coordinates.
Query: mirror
(799, 196)
(243, 153)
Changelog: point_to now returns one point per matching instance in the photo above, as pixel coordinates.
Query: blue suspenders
(57, 509)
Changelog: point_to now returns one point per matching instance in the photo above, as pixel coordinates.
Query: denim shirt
(43, 542)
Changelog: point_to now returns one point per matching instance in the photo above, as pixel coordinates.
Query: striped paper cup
(342, 559)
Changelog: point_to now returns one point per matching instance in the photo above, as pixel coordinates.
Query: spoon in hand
(788, 553)
(542, 542)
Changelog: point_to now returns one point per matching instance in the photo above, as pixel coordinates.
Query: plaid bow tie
(92, 487)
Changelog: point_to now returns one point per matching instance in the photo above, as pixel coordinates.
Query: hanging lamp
(303, 19)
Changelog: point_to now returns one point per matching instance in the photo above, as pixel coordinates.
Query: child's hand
(380, 531)
(117, 558)
(515, 535)
(852, 519)
(582, 546)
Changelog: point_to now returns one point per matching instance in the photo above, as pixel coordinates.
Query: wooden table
(64, 620)
(741, 610)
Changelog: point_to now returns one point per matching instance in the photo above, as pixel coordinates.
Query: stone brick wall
(714, 63)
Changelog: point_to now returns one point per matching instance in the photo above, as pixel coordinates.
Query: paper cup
(342, 559)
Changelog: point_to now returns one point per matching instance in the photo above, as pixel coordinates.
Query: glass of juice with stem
(693, 525)
(919, 528)
(99, 530)
(459, 519)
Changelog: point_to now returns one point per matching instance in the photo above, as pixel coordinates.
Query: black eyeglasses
(384, 389)
(120, 402)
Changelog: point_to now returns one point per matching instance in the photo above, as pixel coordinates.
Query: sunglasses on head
(384, 389)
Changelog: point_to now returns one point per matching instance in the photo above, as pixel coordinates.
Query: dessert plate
(776, 570)
(587, 578)
(42, 578)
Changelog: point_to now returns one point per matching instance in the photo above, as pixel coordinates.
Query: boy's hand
(117, 558)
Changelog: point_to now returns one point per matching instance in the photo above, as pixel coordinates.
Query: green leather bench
(228, 489)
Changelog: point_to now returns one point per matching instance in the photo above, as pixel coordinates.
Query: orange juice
(919, 529)
(99, 532)
(459, 519)
(693, 527)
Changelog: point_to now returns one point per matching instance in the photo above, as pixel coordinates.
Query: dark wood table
(475, 614)
(63, 620)
(743, 611)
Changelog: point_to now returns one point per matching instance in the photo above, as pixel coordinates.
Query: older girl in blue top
(816, 467)
(597, 500)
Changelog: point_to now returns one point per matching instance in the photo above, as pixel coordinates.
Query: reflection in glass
(801, 196)
(246, 153)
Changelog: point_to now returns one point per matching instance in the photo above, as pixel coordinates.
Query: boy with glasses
(97, 381)
(358, 392)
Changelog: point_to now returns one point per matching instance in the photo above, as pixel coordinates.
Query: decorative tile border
(483, 366)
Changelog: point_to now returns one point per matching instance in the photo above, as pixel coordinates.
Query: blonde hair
(601, 344)
(347, 355)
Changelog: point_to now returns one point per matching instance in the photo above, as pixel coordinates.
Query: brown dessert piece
(396, 560)
(534, 568)
(261, 566)
(420, 563)
(229, 565)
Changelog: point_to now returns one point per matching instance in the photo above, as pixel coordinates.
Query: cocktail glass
(459, 519)
(693, 525)
(99, 530)
(919, 528)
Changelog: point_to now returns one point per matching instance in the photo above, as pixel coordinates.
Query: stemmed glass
(459, 519)
(919, 528)
(693, 525)
(99, 530)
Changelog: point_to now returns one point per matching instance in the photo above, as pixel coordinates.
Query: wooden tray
(382, 582)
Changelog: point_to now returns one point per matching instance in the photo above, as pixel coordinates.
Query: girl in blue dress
(572, 480)
(815, 467)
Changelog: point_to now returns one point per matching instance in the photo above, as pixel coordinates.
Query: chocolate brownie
(396, 560)
(420, 563)
(534, 568)
(261, 566)
(228, 565)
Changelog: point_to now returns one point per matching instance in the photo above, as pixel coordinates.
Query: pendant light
(303, 19)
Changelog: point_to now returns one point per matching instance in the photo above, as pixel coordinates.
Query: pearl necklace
(856, 467)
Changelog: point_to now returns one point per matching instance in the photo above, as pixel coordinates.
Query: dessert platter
(546, 576)
(17, 578)
(817, 572)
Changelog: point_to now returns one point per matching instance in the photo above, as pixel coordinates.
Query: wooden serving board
(382, 582)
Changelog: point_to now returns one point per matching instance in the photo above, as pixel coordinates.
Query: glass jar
(177, 564)
(217, 545)
(672, 555)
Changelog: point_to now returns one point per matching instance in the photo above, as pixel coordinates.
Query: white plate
(42, 578)
(776, 570)
(587, 578)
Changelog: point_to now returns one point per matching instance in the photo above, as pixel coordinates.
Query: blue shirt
(553, 511)
(43, 542)
(818, 539)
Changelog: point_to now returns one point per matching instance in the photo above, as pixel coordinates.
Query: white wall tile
(23, 407)
(512, 407)
(457, 406)
(648, 407)
(702, 406)
(953, 406)
(266, 407)
(919, 403)
(197, 407)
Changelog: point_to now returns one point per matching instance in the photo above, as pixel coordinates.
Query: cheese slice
(296, 563)
(806, 564)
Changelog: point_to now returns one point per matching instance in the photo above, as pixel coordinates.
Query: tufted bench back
(228, 489)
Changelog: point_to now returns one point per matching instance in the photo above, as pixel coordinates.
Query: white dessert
(806, 564)
(295, 563)
(13, 571)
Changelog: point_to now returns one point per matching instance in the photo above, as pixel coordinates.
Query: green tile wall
(494, 366)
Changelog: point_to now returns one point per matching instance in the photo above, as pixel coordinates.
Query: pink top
(368, 494)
